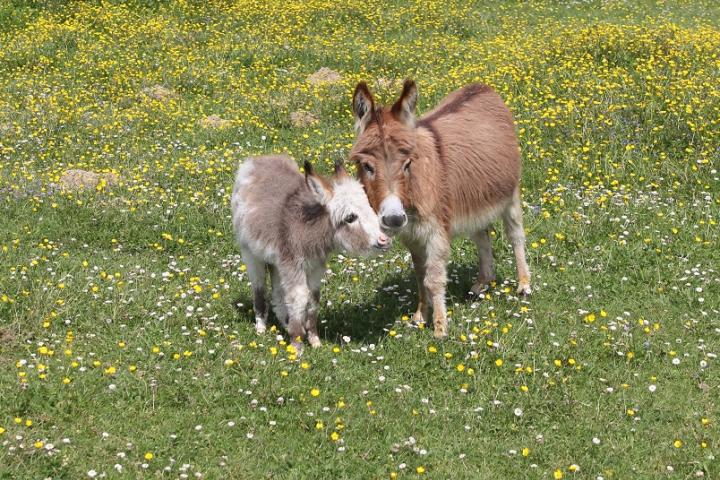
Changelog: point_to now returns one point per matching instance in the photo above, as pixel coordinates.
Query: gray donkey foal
(291, 224)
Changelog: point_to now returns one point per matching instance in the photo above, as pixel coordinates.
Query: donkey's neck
(427, 175)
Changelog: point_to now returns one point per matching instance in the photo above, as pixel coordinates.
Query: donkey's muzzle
(394, 221)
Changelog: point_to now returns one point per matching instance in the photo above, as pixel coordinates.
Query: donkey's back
(262, 185)
(482, 164)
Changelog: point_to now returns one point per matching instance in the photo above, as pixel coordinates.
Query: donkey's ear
(317, 185)
(340, 171)
(404, 108)
(363, 106)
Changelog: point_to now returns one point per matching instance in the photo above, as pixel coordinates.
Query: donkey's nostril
(394, 221)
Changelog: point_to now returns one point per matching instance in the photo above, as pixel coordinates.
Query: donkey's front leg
(422, 314)
(438, 254)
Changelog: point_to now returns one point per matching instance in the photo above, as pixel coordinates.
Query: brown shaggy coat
(453, 171)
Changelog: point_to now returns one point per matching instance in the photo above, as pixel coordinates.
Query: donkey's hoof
(417, 318)
(524, 289)
(479, 288)
(440, 331)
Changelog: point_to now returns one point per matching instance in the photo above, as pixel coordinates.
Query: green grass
(618, 112)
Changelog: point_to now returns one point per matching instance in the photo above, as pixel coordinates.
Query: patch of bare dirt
(160, 92)
(6, 336)
(384, 83)
(302, 119)
(77, 179)
(324, 75)
(215, 121)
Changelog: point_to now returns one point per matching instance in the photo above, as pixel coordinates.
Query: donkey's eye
(368, 168)
(350, 218)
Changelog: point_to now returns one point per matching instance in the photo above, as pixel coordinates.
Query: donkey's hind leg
(512, 218)
(486, 264)
(256, 273)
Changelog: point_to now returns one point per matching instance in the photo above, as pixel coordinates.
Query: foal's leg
(438, 254)
(486, 267)
(256, 274)
(314, 278)
(512, 217)
(297, 295)
(278, 298)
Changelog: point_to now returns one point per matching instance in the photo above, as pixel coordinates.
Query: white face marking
(392, 206)
(348, 200)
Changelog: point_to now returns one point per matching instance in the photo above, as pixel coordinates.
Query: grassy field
(126, 343)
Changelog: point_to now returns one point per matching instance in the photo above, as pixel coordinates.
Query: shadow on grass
(367, 321)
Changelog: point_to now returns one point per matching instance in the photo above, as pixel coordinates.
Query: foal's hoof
(314, 340)
(298, 347)
(260, 326)
(524, 289)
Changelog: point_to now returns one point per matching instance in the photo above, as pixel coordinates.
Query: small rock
(704, 387)
(384, 83)
(77, 179)
(159, 92)
(215, 121)
(324, 75)
(6, 336)
(302, 118)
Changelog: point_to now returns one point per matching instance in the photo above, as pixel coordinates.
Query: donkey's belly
(478, 221)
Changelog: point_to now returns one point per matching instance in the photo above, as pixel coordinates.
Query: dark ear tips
(307, 166)
(362, 100)
(339, 166)
(404, 107)
(362, 86)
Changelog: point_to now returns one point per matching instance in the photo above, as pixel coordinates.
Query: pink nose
(383, 240)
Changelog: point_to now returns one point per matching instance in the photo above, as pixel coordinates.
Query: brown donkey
(453, 171)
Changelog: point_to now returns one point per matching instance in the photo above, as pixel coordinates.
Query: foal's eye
(406, 167)
(350, 218)
(368, 168)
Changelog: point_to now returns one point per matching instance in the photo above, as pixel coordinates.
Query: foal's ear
(340, 172)
(363, 106)
(404, 108)
(317, 185)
